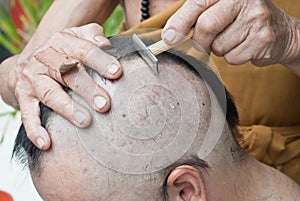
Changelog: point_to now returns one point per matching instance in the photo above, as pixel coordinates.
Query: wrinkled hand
(239, 30)
(38, 82)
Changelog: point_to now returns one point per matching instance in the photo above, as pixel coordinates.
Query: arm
(7, 78)
(69, 13)
(293, 61)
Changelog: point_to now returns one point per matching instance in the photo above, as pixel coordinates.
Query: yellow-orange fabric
(268, 101)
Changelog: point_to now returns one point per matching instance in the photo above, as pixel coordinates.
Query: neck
(250, 180)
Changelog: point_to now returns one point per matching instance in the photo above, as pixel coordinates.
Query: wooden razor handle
(160, 46)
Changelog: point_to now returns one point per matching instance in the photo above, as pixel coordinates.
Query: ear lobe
(185, 184)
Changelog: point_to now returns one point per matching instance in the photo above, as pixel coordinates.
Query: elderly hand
(239, 30)
(35, 82)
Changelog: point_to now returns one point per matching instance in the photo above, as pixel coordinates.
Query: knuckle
(265, 14)
(208, 26)
(198, 4)
(217, 49)
(19, 91)
(49, 95)
(81, 85)
(88, 51)
(57, 36)
(25, 117)
(23, 87)
(78, 84)
(262, 12)
(231, 59)
(64, 106)
(70, 77)
(26, 72)
(228, 59)
(71, 31)
(94, 28)
(30, 133)
(266, 36)
(236, 58)
(257, 11)
(22, 62)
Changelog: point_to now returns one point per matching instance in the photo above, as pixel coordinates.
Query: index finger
(85, 52)
(181, 22)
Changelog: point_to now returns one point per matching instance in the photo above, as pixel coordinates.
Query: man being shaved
(167, 137)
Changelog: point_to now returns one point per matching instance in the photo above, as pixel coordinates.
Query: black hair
(25, 150)
(124, 46)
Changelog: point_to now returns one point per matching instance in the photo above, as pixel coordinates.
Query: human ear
(185, 184)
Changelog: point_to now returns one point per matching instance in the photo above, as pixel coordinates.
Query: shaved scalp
(156, 122)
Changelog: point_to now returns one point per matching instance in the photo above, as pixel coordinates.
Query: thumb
(181, 22)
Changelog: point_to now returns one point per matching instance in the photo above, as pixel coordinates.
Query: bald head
(156, 124)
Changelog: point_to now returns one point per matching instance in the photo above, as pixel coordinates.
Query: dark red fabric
(15, 12)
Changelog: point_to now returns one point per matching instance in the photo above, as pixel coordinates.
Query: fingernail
(113, 69)
(98, 38)
(100, 102)
(40, 142)
(79, 117)
(169, 35)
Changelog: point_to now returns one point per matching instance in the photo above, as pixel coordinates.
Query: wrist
(8, 78)
(292, 61)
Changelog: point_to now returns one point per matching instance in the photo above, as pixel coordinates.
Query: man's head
(149, 146)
